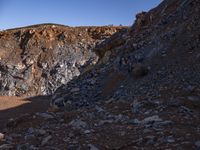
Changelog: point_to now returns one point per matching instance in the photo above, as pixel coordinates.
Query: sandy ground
(12, 107)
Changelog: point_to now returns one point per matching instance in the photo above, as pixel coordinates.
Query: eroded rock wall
(38, 59)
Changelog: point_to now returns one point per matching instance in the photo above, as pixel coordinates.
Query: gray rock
(134, 121)
(197, 144)
(36, 131)
(78, 124)
(136, 106)
(72, 147)
(24, 146)
(121, 118)
(102, 122)
(29, 137)
(166, 122)
(194, 98)
(57, 102)
(191, 88)
(147, 120)
(99, 109)
(75, 90)
(14, 135)
(41, 132)
(151, 140)
(6, 146)
(45, 115)
(46, 140)
(154, 118)
(122, 133)
(32, 147)
(31, 130)
(170, 139)
(92, 147)
(87, 131)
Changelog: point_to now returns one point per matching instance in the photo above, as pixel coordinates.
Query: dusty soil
(12, 107)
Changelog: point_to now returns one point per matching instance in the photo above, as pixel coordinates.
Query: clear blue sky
(17, 13)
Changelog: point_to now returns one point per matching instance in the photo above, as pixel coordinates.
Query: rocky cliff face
(162, 45)
(38, 59)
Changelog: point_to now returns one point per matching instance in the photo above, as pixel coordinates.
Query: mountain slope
(163, 42)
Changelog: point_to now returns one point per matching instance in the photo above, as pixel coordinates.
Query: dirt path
(11, 107)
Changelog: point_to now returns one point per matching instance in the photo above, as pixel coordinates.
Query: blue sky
(17, 13)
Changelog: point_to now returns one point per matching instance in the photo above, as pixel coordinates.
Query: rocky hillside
(37, 59)
(142, 93)
(162, 45)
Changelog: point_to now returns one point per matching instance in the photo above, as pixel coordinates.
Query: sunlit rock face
(38, 59)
